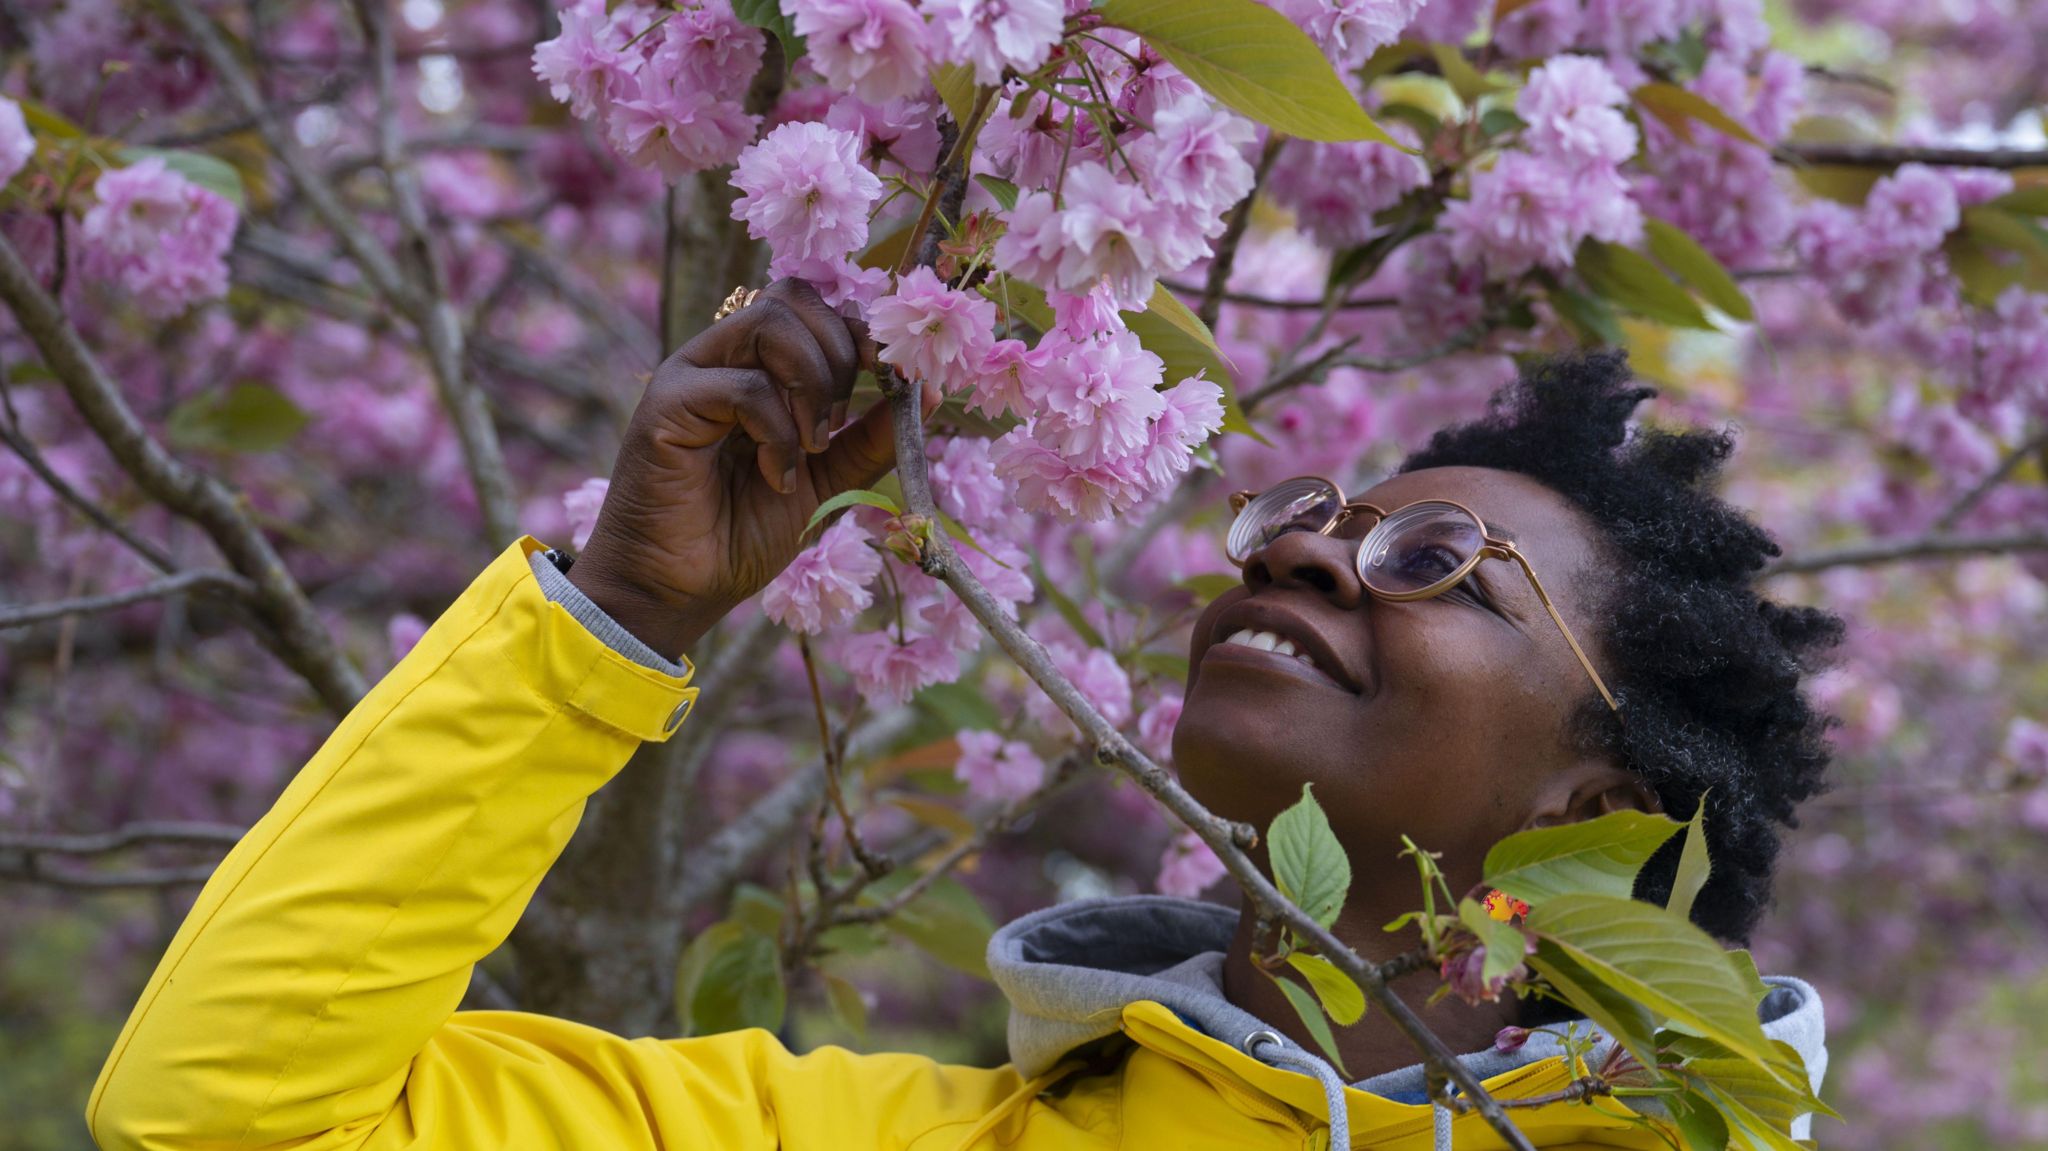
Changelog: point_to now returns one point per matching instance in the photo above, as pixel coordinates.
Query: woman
(309, 1000)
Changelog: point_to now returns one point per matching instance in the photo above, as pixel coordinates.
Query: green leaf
(47, 121)
(1699, 1122)
(955, 83)
(946, 922)
(1590, 318)
(1500, 121)
(1312, 1017)
(767, 15)
(1463, 78)
(1210, 585)
(1746, 1128)
(1171, 664)
(1252, 59)
(1065, 605)
(1698, 268)
(1660, 961)
(1677, 107)
(1004, 191)
(1309, 865)
(1693, 865)
(758, 908)
(1628, 278)
(958, 706)
(1779, 1097)
(1848, 183)
(1506, 946)
(209, 172)
(246, 417)
(1616, 1014)
(1172, 331)
(847, 1004)
(729, 979)
(2029, 201)
(860, 496)
(1339, 995)
(1594, 856)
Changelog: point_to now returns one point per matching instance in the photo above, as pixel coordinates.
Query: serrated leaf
(1628, 278)
(1693, 865)
(1746, 1128)
(1590, 318)
(209, 172)
(946, 921)
(1252, 59)
(729, 979)
(1339, 995)
(1668, 965)
(1505, 944)
(1620, 1017)
(1312, 1017)
(1172, 331)
(1594, 856)
(1698, 268)
(1309, 864)
(1677, 107)
(847, 1005)
(861, 496)
(767, 15)
(1699, 1122)
(1005, 193)
(246, 417)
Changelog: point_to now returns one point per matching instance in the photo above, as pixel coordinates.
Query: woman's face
(1440, 719)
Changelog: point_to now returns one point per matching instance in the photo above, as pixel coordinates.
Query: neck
(1375, 1044)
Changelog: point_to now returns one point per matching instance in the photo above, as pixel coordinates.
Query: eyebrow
(1503, 531)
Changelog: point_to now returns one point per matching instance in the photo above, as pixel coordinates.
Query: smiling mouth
(1271, 645)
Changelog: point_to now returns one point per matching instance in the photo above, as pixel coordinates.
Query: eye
(1426, 563)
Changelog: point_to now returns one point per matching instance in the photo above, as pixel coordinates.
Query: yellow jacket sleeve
(308, 1001)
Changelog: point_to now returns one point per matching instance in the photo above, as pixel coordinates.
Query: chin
(1232, 755)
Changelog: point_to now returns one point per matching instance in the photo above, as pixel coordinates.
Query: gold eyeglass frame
(1491, 547)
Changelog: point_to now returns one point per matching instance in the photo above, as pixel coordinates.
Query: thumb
(865, 450)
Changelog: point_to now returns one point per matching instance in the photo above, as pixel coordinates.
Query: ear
(1587, 789)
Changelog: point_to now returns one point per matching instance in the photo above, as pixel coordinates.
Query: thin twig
(1984, 487)
(1893, 155)
(13, 437)
(1338, 356)
(219, 582)
(876, 866)
(301, 638)
(29, 872)
(1247, 299)
(1580, 1090)
(1897, 551)
(131, 835)
(1233, 234)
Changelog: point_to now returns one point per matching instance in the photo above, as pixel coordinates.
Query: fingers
(789, 332)
(705, 403)
(836, 341)
(866, 450)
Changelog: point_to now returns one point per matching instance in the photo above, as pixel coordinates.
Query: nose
(1323, 564)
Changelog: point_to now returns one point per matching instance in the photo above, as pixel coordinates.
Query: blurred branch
(221, 582)
(1339, 356)
(429, 312)
(1233, 233)
(12, 435)
(301, 638)
(1893, 155)
(1249, 300)
(1896, 551)
(2006, 467)
(611, 316)
(140, 834)
(28, 871)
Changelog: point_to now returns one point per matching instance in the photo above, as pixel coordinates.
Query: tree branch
(12, 435)
(1893, 155)
(225, 583)
(302, 639)
(429, 312)
(1897, 551)
(1339, 356)
(1233, 234)
(1984, 487)
(140, 834)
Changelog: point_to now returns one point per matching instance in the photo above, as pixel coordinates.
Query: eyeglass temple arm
(1515, 554)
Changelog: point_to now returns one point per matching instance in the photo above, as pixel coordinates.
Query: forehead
(1546, 527)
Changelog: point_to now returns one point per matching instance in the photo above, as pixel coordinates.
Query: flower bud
(1510, 1039)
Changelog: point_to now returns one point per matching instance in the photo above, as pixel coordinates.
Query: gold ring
(738, 298)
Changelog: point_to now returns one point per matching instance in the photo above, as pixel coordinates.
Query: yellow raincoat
(309, 1000)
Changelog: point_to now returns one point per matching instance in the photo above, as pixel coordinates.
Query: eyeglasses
(1415, 552)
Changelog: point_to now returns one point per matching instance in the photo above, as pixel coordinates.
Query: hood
(1070, 970)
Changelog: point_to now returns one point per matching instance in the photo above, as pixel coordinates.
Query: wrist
(670, 625)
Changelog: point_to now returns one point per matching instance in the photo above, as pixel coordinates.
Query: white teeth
(1285, 647)
(1242, 635)
(1265, 641)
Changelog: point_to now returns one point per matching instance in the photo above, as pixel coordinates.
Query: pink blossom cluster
(1563, 184)
(994, 768)
(1883, 260)
(883, 50)
(666, 86)
(157, 236)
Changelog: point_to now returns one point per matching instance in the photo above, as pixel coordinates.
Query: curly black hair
(1706, 670)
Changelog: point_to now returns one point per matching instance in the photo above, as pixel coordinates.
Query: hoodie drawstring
(1442, 1116)
(1278, 1054)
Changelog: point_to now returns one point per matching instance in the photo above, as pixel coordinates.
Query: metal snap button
(675, 718)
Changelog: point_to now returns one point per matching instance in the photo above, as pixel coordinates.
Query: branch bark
(1899, 551)
(301, 639)
(1233, 234)
(225, 583)
(1893, 155)
(428, 311)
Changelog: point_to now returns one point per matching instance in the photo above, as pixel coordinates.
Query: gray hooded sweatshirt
(1070, 970)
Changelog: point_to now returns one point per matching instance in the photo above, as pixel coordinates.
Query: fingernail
(823, 432)
(789, 480)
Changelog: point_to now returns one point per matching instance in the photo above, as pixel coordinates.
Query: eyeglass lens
(1416, 548)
